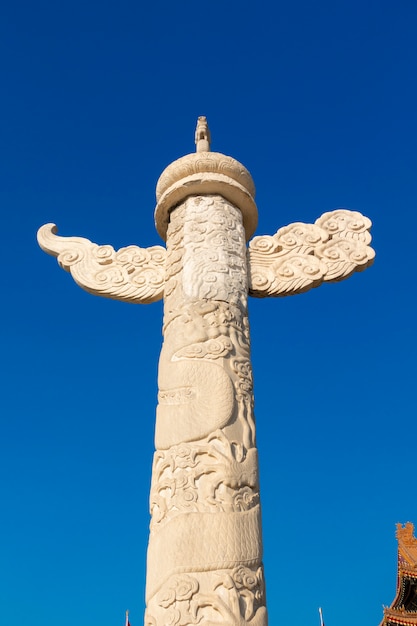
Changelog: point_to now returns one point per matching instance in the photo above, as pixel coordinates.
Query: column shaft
(205, 545)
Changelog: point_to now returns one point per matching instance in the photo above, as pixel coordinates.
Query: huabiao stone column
(205, 547)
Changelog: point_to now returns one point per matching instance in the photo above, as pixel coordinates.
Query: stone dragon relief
(205, 545)
(205, 532)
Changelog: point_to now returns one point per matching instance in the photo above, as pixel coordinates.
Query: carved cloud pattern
(131, 274)
(302, 256)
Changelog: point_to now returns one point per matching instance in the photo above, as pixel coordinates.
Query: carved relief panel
(205, 548)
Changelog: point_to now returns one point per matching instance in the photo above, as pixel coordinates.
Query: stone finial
(202, 135)
(205, 173)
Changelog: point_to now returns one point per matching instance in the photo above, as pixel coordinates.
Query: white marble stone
(205, 546)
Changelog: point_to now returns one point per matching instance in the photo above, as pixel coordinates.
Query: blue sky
(318, 100)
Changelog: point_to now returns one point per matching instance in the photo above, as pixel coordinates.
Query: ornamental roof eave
(408, 571)
(397, 613)
(407, 543)
(399, 616)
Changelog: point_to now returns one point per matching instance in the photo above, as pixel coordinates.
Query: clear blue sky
(318, 100)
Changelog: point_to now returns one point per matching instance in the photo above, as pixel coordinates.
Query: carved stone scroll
(131, 274)
(302, 256)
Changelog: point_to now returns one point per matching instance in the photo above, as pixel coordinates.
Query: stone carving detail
(205, 546)
(205, 173)
(205, 533)
(233, 598)
(215, 475)
(187, 408)
(301, 256)
(132, 274)
(201, 163)
(202, 135)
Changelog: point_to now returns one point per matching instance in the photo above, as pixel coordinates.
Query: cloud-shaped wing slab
(302, 256)
(131, 274)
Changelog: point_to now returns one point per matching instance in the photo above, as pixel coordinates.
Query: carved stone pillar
(205, 546)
